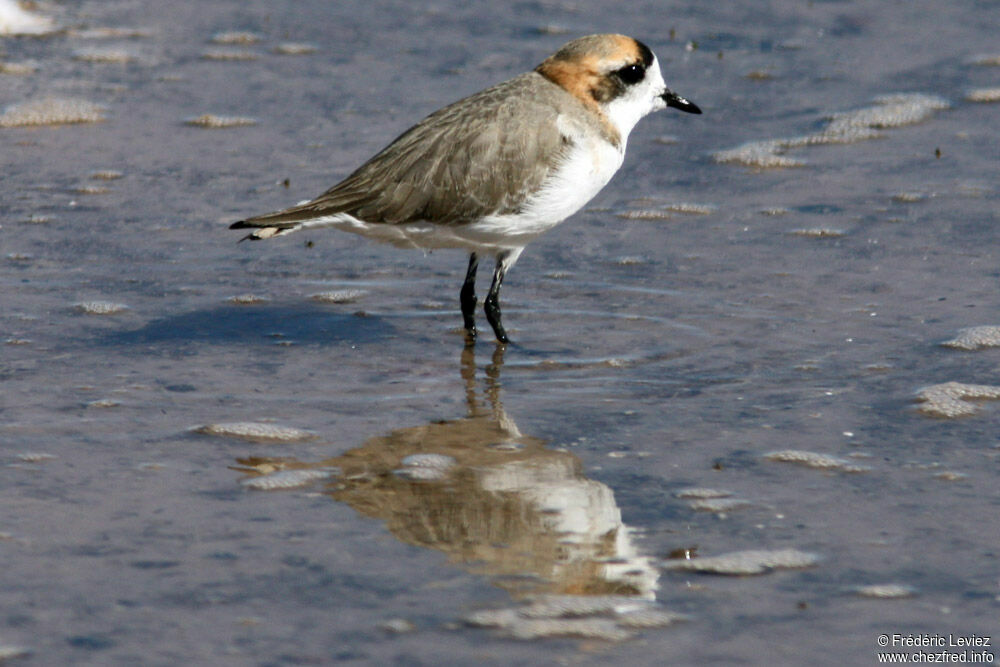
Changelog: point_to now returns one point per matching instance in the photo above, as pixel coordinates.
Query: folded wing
(483, 155)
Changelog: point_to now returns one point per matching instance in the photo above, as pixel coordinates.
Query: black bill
(676, 101)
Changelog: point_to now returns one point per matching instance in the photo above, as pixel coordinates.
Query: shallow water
(697, 317)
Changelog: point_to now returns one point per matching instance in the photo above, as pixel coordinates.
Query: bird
(494, 170)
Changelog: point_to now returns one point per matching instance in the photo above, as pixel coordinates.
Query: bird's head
(618, 76)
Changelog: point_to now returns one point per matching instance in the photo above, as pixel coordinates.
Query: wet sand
(368, 490)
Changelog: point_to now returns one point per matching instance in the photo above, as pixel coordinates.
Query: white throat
(640, 100)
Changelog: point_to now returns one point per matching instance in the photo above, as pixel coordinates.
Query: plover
(494, 170)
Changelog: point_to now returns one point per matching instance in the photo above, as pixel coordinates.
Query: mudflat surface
(369, 491)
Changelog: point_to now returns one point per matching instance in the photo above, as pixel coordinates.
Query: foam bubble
(108, 55)
(236, 37)
(756, 561)
(34, 457)
(397, 626)
(111, 33)
(775, 211)
(889, 111)
(492, 618)
(107, 175)
(986, 59)
(605, 617)
(719, 505)
(256, 431)
(951, 399)
(287, 479)
(104, 403)
(767, 154)
(667, 211)
(52, 111)
(983, 95)
(646, 214)
(213, 121)
(586, 628)
(701, 493)
(338, 296)
(692, 209)
(15, 20)
(561, 606)
(18, 69)
(886, 591)
(819, 232)
(975, 338)
(92, 190)
(650, 618)
(100, 307)
(248, 299)
(815, 460)
(909, 197)
(9, 652)
(295, 49)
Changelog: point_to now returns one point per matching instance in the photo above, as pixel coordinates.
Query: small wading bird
(492, 171)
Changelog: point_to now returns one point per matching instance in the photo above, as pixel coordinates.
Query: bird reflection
(498, 502)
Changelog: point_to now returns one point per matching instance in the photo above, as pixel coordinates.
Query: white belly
(583, 174)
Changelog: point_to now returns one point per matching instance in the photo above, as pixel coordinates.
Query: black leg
(468, 297)
(492, 303)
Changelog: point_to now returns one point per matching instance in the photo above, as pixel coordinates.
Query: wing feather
(480, 156)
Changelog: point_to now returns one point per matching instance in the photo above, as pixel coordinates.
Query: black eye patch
(631, 74)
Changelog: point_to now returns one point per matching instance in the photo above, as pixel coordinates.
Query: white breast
(588, 167)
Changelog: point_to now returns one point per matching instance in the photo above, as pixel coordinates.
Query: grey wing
(482, 155)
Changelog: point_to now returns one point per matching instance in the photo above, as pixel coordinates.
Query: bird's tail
(265, 230)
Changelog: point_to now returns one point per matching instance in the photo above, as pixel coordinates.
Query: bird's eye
(631, 74)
